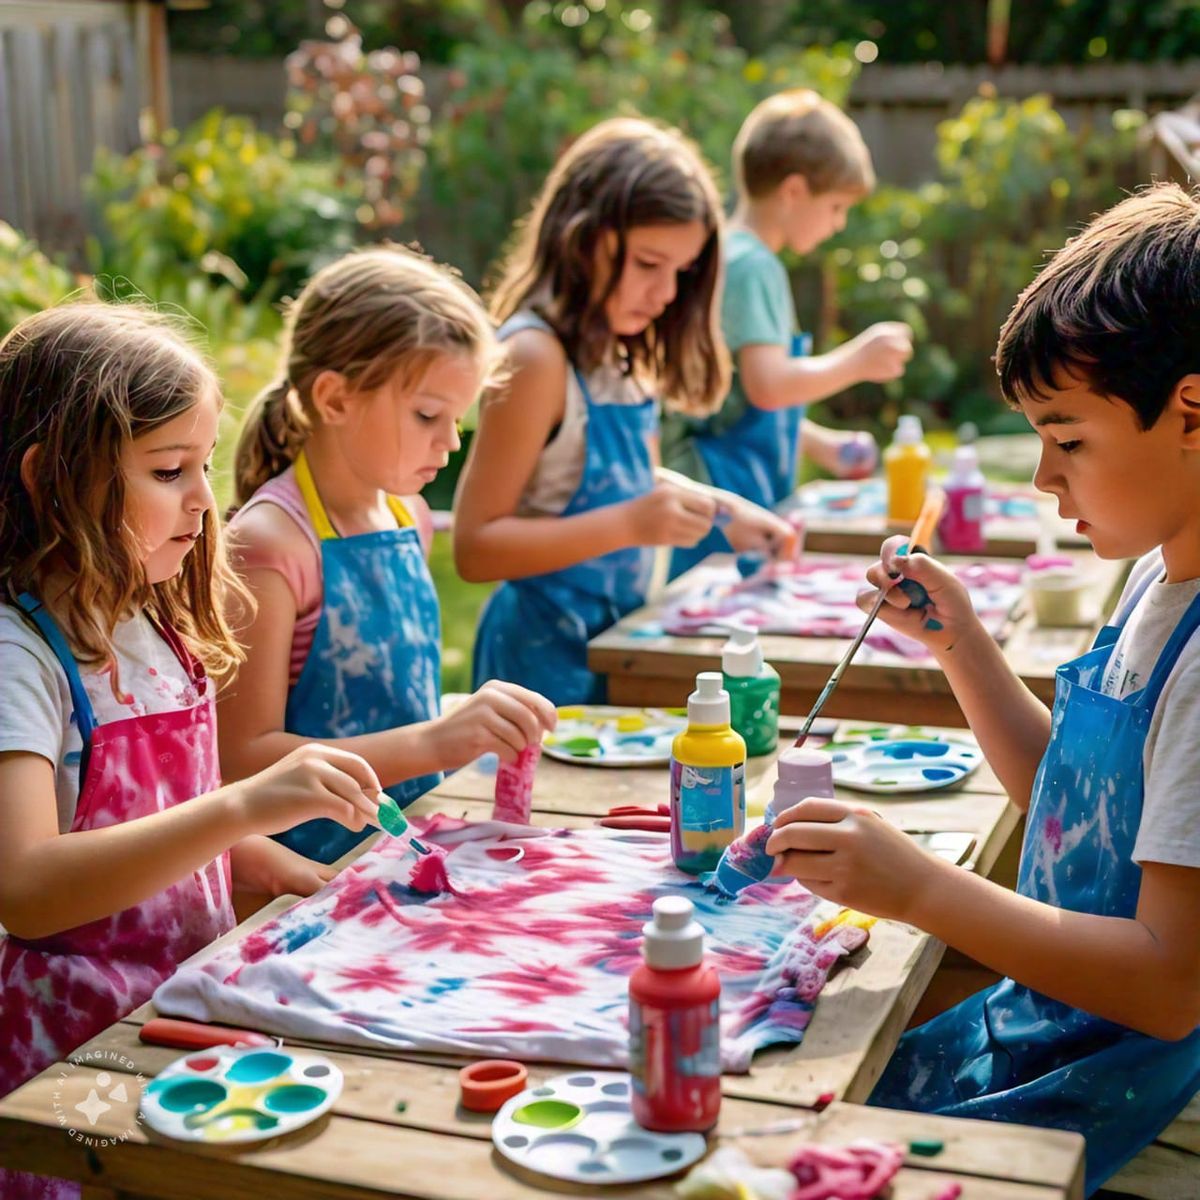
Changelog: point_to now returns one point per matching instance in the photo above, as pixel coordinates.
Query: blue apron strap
(85, 717)
(1179, 638)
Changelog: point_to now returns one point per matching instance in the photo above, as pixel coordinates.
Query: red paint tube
(514, 787)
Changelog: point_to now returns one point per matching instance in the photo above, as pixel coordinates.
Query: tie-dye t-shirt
(35, 700)
(525, 954)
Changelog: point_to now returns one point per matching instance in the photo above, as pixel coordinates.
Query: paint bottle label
(708, 811)
(675, 1065)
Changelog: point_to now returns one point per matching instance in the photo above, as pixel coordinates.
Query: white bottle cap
(674, 939)
(908, 430)
(966, 462)
(742, 655)
(709, 703)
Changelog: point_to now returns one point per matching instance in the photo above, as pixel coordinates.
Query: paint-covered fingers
(751, 528)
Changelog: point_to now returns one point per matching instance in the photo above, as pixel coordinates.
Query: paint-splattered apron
(1012, 1054)
(756, 458)
(535, 631)
(376, 655)
(62, 990)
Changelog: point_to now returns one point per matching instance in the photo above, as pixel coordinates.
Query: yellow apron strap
(312, 500)
(316, 510)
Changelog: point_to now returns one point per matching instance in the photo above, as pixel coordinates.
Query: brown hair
(77, 382)
(799, 133)
(1118, 306)
(369, 314)
(622, 174)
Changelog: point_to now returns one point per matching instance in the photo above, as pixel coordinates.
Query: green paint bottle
(753, 687)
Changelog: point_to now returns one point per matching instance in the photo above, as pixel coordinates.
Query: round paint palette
(605, 736)
(240, 1094)
(906, 764)
(580, 1127)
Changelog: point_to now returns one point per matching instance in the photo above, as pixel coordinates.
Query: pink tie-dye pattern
(62, 990)
(815, 597)
(527, 957)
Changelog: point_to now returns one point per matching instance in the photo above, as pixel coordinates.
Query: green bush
(518, 99)
(222, 200)
(951, 257)
(29, 281)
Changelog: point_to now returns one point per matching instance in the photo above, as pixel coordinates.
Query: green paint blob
(191, 1095)
(390, 816)
(926, 1147)
(549, 1114)
(231, 1120)
(294, 1098)
(258, 1068)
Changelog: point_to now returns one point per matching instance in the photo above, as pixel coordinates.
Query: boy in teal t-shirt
(799, 163)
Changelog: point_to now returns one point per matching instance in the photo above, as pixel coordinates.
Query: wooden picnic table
(397, 1129)
(829, 528)
(646, 667)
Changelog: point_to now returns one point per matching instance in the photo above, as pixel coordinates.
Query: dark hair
(367, 315)
(1118, 306)
(77, 382)
(622, 174)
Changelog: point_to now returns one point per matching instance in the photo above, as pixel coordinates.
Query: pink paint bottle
(961, 527)
(514, 787)
(674, 1025)
(802, 773)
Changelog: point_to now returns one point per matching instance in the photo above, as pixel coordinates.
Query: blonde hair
(622, 174)
(365, 316)
(77, 383)
(799, 133)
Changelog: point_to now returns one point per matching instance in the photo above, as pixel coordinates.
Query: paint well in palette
(580, 1128)
(240, 1094)
(606, 736)
(903, 765)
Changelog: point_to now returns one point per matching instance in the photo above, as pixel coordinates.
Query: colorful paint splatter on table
(815, 597)
(526, 956)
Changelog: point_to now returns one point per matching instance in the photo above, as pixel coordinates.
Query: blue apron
(757, 458)
(535, 631)
(376, 658)
(1012, 1054)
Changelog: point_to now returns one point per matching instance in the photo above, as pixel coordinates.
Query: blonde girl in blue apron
(385, 351)
(120, 848)
(606, 303)
(1095, 1027)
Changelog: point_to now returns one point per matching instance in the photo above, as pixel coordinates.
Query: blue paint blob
(934, 625)
(293, 939)
(191, 1095)
(937, 774)
(913, 749)
(258, 1068)
(294, 1098)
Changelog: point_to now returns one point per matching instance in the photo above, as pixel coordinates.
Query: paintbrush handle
(922, 534)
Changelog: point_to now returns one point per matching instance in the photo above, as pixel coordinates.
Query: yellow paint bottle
(906, 464)
(708, 779)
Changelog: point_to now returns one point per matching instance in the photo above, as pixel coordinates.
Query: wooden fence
(73, 76)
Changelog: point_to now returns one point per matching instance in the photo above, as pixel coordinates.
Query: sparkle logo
(108, 1082)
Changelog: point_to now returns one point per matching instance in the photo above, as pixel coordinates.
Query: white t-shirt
(35, 699)
(1170, 827)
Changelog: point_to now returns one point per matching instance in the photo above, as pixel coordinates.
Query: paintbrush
(922, 534)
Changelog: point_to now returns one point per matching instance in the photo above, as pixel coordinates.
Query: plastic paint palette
(580, 1127)
(903, 764)
(604, 736)
(240, 1095)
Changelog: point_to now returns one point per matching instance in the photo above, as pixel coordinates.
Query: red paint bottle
(674, 1025)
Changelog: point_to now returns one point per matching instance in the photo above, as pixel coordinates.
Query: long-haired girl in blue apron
(608, 296)
(386, 351)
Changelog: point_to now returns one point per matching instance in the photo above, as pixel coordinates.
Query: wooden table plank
(659, 669)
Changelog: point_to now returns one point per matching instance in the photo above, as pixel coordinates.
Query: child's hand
(751, 528)
(269, 868)
(500, 718)
(881, 350)
(849, 854)
(857, 455)
(311, 781)
(941, 623)
(671, 515)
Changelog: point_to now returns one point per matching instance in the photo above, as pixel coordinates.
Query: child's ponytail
(272, 437)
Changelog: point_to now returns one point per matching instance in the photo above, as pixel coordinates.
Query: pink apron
(62, 990)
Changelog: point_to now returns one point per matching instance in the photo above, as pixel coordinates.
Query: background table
(659, 669)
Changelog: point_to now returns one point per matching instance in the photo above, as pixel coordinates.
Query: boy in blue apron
(1095, 1027)
(799, 165)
